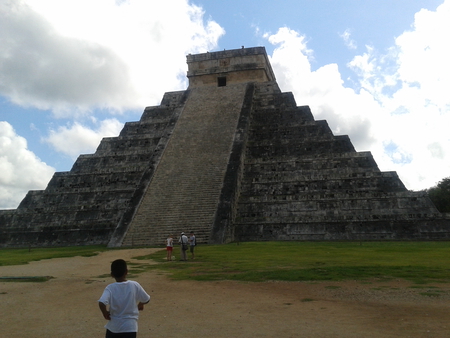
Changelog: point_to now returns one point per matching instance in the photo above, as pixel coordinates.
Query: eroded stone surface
(230, 158)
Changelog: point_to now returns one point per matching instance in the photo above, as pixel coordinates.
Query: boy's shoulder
(117, 286)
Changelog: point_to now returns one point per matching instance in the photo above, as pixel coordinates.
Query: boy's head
(119, 268)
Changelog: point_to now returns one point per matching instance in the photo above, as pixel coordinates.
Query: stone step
(188, 180)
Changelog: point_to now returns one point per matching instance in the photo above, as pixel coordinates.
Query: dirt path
(66, 306)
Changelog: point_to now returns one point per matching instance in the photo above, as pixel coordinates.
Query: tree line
(440, 195)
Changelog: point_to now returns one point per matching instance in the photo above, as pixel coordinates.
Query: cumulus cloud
(423, 55)
(20, 169)
(77, 139)
(413, 94)
(43, 69)
(78, 55)
(399, 109)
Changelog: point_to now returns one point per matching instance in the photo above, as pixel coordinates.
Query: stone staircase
(184, 192)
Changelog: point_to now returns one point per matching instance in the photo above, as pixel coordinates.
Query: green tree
(440, 195)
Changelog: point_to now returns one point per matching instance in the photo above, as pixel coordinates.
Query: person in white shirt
(184, 246)
(169, 247)
(121, 302)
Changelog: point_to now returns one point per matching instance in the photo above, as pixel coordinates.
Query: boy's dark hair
(118, 268)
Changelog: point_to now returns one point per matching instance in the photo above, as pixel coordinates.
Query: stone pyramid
(231, 158)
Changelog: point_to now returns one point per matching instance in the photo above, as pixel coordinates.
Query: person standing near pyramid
(192, 244)
(183, 246)
(169, 247)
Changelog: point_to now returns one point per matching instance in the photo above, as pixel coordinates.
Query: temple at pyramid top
(229, 67)
(231, 158)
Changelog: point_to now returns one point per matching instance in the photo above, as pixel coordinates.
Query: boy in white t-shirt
(121, 302)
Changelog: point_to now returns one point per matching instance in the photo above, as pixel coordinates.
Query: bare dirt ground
(66, 306)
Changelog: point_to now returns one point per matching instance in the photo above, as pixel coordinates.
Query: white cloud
(424, 53)
(20, 169)
(42, 69)
(414, 97)
(349, 42)
(399, 110)
(77, 139)
(77, 55)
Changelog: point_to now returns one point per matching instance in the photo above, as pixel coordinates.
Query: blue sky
(72, 72)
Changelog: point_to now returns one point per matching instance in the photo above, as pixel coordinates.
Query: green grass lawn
(23, 256)
(418, 262)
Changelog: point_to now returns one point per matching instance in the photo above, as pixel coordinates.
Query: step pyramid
(232, 158)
